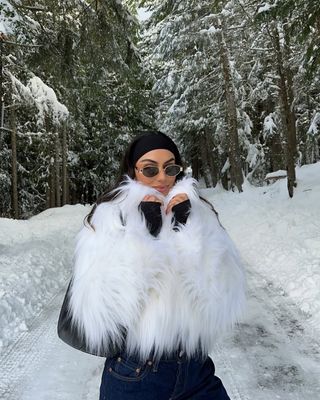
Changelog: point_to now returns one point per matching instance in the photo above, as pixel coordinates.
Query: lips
(162, 189)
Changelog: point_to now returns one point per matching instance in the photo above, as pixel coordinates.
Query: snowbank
(278, 236)
(35, 259)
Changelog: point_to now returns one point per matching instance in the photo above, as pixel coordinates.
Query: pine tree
(87, 55)
(190, 58)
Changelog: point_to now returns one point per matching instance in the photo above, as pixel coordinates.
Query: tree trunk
(288, 116)
(225, 181)
(65, 194)
(57, 169)
(213, 159)
(52, 182)
(204, 160)
(195, 162)
(292, 128)
(231, 115)
(14, 169)
(1, 89)
(276, 153)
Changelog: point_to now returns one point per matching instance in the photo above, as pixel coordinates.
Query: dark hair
(127, 168)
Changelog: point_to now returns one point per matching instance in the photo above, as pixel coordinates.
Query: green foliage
(116, 77)
(182, 41)
(183, 48)
(87, 54)
(302, 19)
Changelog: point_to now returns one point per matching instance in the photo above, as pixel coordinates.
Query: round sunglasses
(152, 171)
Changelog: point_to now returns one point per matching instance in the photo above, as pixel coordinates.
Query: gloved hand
(152, 213)
(181, 212)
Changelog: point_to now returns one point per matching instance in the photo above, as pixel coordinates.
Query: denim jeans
(175, 378)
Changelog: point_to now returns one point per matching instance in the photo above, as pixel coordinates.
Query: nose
(161, 177)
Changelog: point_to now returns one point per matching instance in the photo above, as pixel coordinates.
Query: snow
(143, 14)
(46, 101)
(212, 30)
(226, 166)
(8, 17)
(279, 240)
(276, 174)
(314, 126)
(44, 97)
(3, 27)
(35, 260)
(253, 155)
(269, 126)
(279, 237)
(265, 7)
(21, 93)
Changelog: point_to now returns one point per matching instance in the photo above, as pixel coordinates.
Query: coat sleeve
(151, 211)
(209, 266)
(111, 276)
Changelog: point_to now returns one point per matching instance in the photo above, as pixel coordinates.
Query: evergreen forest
(235, 83)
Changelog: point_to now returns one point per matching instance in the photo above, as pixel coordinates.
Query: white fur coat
(180, 289)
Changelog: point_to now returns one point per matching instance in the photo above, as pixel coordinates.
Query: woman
(156, 280)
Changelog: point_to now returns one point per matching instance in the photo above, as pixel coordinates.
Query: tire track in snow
(22, 358)
(272, 355)
(39, 365)
(275, 353)
(234, 387)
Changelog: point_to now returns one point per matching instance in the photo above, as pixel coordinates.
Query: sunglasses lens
(173, 170)
(150, 172)
(170, 170)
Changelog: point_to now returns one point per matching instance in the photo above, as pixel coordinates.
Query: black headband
(152, 141)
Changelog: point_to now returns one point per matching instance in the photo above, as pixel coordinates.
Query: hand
(179, 198)
(150, 197)
(150, 207)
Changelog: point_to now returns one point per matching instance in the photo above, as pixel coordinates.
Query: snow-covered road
(272, 355)
(40, 366)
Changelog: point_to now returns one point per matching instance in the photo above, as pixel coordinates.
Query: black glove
(181, 212)
(152, 213)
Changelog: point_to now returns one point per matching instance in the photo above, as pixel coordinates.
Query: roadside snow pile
(35, 260)
(277, 236)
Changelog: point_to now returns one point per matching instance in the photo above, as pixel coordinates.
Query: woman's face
(156, 158)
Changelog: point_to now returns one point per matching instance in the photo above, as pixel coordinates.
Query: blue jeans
(175, 378)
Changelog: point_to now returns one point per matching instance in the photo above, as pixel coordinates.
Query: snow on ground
(277, 236)
(35, 259)
(279, 239)
(143, 14)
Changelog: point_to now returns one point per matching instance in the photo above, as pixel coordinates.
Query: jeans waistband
(174, 356)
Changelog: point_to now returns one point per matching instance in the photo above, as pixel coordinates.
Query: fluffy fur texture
(181, 289)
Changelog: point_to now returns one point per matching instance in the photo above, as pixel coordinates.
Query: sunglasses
(152, 171)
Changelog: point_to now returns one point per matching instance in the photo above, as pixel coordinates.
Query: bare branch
(31, 8)
(22, 44)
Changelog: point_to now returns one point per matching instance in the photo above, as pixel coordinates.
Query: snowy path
(40, 366)
(272, 355)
